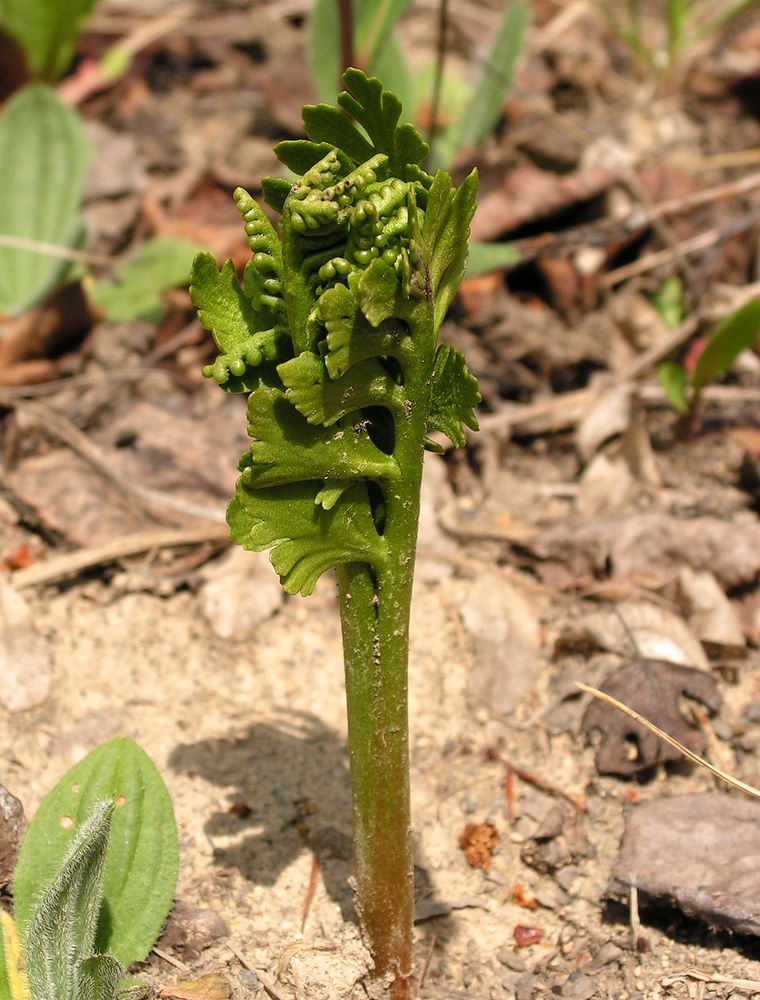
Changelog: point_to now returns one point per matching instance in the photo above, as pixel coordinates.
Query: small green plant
(738, 332)
(686, 24)
(94, 882)
(333, 333)
(47, 31)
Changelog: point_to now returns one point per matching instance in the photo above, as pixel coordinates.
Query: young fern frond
(333, 333)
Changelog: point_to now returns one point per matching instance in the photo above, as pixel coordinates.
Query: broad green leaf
(485, 107)
(735, 334)
(142, 859)
(286, 449)
(47, 30)
(63, 919)
(455, 395)
(44, 153)
(306, 540)
(675, 383)
(485, 257)
(140, 283)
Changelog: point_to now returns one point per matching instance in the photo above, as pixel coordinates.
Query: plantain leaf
(142, 860)
(306, 540)
(735, 334)
(63, 919)
(455, 395)
(142, 281)
(47, 31)
(44, 153)
(485, 257)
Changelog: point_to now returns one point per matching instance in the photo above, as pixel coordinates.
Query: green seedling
(685, 25)
(94, 882)
(47, 31)
(737, 333)
(333, 334)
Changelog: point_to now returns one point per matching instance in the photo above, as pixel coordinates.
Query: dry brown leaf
(211, 987)
(527, 193)
(652, 547)
(505, 626)
(654, 689)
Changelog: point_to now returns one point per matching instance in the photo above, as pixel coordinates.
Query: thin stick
(440, 58)
(56, 250)
(346, 15)
(176, 962)
(695, 758)
(70, 563)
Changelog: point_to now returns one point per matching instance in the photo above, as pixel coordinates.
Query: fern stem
(375, 611)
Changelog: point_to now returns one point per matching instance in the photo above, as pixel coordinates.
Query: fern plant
(333, 334)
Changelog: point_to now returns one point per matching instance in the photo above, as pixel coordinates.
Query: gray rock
(697, 853)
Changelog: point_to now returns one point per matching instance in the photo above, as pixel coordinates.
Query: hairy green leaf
(63, 920)
(455, 395)
(735, 334)
(5, 972)
(47, 31)
(306, 540)
(44, 154)
(142, 860)
(142, 281)
(100, 978)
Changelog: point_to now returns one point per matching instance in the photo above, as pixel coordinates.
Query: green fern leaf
(306, 540)
(286, 449)
(333, 332)
(455, 395)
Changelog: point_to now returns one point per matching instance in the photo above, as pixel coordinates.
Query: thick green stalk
(375, 608)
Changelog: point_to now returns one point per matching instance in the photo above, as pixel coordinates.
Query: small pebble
(511, 959)
(248, 979)
(565, 877)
